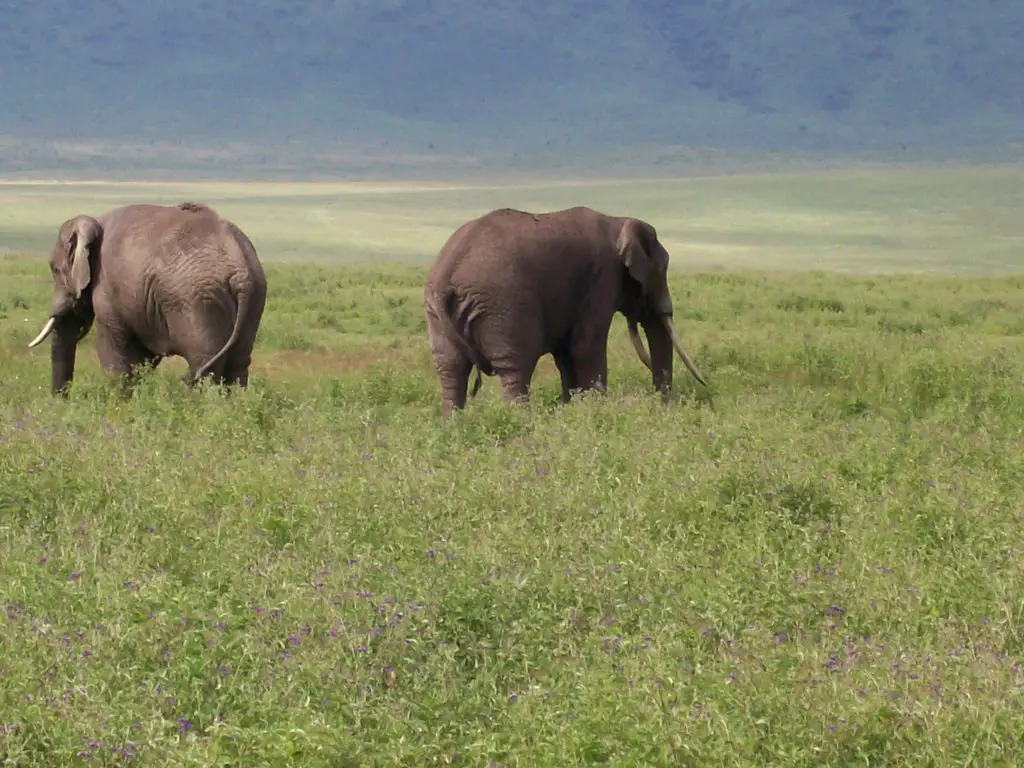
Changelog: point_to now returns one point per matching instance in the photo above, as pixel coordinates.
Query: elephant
(511, 286)
(156, 280)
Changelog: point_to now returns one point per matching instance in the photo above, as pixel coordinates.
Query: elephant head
(649, 303)
(73, 263)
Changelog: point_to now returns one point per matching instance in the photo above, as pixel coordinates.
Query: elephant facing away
(155, 281)
(511, 286)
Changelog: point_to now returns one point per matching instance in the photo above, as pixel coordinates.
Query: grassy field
(826, 570)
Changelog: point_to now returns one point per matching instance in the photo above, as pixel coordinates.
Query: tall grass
(826, 570)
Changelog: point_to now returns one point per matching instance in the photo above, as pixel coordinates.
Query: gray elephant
(511, 286)
(156, 281)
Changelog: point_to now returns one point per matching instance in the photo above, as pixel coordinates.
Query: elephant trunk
(663, 338)
(62, 355)
(660, 344)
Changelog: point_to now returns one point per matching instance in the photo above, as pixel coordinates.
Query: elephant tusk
(638, 345)
(47, 329)
(678, 344)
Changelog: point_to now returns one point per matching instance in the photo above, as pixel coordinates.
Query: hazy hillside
(501, 77)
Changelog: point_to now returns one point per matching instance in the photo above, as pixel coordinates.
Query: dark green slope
(506, 76)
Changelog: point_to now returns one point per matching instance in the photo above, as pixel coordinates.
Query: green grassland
(826, 569)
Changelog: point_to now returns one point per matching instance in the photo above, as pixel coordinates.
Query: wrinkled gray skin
(155, 281)
(511, 286)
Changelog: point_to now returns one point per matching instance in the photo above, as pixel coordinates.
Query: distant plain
(912, 219)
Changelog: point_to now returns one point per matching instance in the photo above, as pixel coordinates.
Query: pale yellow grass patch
(868, 219)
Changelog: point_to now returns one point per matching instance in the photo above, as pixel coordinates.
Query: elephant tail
(476, 384)
(244, 297)
(444, 313)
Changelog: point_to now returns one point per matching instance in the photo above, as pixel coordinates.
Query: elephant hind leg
(239, 357)
(453, 370)
(122, 355)
(238, 378)
(215, 374)
(199, 332)
(197, 359)
(454, 376)
(515, 382)
(452, 366)
(236, 365)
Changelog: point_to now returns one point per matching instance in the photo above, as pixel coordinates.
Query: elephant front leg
(588, 352)
(563, 361)
(592, 371)
(590, 364)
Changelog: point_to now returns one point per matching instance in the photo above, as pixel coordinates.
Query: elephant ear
(631, 246)
(81, 244)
